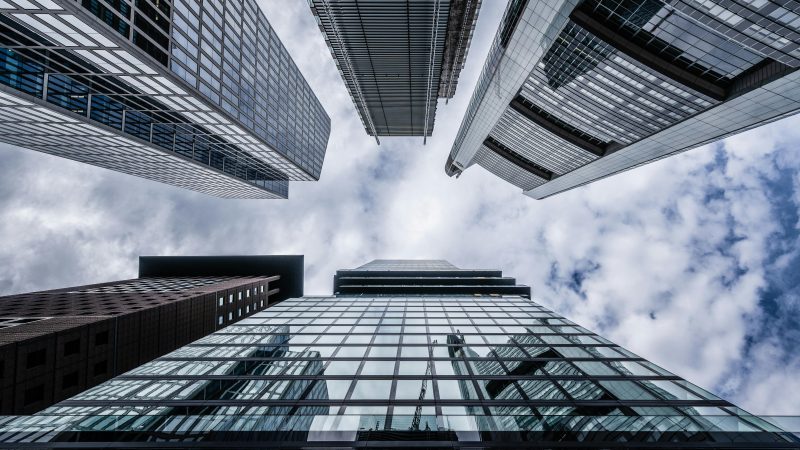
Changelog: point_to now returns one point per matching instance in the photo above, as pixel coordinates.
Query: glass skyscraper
(405, 354)
(193, 93)
(397, 57)
(577, 90)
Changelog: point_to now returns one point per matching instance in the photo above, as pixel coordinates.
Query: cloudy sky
(691, 262)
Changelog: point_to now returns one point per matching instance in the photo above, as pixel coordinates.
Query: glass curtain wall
(460, 370)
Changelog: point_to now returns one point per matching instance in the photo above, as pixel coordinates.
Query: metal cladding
(398, 56)
(379, 365)
(185, 92)
(586, 89)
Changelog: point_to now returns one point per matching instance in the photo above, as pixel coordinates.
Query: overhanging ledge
(288, 267)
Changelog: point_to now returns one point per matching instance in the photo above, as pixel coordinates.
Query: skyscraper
(55, 344)
(576, 90)
(397, 57)
(405, 354)
(185, 92)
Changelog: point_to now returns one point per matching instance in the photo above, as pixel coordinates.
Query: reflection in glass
(462, 386)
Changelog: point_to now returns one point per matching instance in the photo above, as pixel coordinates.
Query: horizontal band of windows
(395, 402)
(517, 159)
(534, 113)
(646, 57)
(480, 377)
(423, 333)
(458, 314)
(480, 331)
(406, 346)
(274, 327)
(392, 358)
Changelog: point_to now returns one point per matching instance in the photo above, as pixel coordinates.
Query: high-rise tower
(186, 92)
(55, 344)
(397, 57)
(577, 90)
(406, 354)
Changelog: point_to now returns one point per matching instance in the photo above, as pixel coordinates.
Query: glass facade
(432, 370)
(184, 92)
(613, 84)
(398, 57)
(231, 54)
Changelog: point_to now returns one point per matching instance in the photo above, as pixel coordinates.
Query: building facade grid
(189, 119)
(467, 368)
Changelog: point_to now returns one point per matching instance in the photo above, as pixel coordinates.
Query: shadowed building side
(55, 344)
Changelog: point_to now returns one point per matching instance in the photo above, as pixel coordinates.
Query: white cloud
(671, 258)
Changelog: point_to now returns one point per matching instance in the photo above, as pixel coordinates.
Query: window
(240, 295)
(36, 358)
(219, 320)
(69, 380)
(34, 394)
(221, 301)
(230, 298)
(72, 347)
(372, 390)
(101, 367)
(101, 338)
(230, 316)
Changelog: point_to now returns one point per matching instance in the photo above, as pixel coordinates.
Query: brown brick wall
(44, 362)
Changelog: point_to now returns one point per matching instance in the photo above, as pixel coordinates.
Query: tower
(574, 91)
(58, 343)
(185, 92)
(398, 57)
